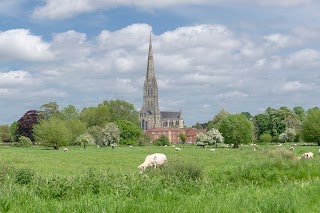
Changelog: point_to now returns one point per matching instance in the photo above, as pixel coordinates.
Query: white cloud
(15, 78)
(294, 86)
(204, 66)
(278, 40)
(232, 95)
(128, 37)
(304, 58)
(71, 45)
(20, 44)
(59, 9)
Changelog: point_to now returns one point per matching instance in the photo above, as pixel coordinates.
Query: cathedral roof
(172, 115)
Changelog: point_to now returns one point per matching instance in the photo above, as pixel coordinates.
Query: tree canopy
(129, 132)
(236, 129)
(122, 110)
(53, 132)
(26, 122)
(311, 126)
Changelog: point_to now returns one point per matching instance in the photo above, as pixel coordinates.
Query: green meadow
(270, 179)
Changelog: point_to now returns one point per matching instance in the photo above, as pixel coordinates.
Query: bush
(24, 142)
(84, 140)
(265, 137)
(184, 170)
(162, 141)
(24, 176)
(281, 153)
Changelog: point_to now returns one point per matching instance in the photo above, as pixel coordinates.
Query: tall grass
(194, 180)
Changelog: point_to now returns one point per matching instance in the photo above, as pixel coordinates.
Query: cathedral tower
(150, 116)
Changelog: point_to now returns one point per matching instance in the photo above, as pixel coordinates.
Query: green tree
(49, 109)
(144, 139)
(162, 140)
(110, 134)
(24, 142)
(70, 113)
(247, 114)
(265, 137)
(13, 131)
(96, 116)
(198, 126)
(76, 128)
(53, 132)
(261, 124)
(311, 126)
(96, 133)
(182, 137)
(300, 112)
(122, 110)
(236, 129)
(218, 118)
(5, 135)
(129, 132)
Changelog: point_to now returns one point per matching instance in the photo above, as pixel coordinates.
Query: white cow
(65, 150)
(155, 160)
(212, 150)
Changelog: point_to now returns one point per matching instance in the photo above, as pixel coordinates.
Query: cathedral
(150, 116)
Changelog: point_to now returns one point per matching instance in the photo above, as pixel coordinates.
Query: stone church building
(150, 115)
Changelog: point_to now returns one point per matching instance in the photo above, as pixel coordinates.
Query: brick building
(173, 133)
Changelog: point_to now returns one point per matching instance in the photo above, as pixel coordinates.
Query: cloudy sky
(237, 55)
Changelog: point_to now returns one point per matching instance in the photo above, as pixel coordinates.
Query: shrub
(281, 153)
(24, 142)
(163, 140)
(184, 170)
(265, 137)
(23, 176)
(84, 140)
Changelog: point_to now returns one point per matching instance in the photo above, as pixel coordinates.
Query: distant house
(173, 134)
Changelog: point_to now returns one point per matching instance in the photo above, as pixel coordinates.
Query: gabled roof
(171, 115)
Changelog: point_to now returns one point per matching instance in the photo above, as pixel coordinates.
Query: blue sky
(237, 55)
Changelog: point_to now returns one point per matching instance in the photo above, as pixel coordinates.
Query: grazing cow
(155, 160)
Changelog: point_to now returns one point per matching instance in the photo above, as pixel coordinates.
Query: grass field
(270, 179)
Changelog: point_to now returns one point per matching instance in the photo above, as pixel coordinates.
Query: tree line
(111, 122)
(117, 122)
(273, 125)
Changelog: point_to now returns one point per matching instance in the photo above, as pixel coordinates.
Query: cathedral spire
(150, 66)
